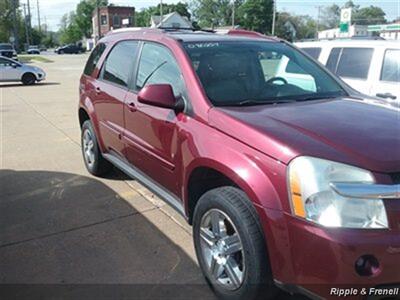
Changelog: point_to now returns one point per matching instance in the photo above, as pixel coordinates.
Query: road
(59, 225)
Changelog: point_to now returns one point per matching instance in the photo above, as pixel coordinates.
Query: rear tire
(95, 163)
(28, 79)
(239, 223)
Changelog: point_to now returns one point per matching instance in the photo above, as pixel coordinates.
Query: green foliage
(257, 15)
(369, 15)
(330, 16)
(214, 13)
(305, 27)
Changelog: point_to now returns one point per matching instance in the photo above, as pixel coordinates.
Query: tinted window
(94, 59)
(6, 62)
(331, 64)
(355, 62)
(391, 66)
(313, 52)
(120, 62)
(157, 65)
(250, 73)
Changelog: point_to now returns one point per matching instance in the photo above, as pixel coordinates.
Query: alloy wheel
(88, 148)
(222, 249)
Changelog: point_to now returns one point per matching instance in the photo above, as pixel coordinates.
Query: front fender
(262, 178)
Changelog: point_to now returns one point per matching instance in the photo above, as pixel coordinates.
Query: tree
(83, 17)
(256, 15)
(369, 16)
(305, 26)
(70, 32)
(214, 13)
(330, 16)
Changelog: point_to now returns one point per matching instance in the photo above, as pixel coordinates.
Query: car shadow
(67, 236)
(19, 84)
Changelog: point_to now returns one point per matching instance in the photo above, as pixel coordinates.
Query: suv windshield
(6, 47)
(257, 72)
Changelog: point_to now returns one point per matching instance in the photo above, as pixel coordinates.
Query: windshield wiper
(318, 97)
(249, 102)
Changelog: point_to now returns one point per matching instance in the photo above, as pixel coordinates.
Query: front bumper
(311, 259)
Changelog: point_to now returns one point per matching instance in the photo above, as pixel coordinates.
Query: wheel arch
(206, 174)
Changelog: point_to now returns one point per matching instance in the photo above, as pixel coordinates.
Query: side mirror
(160, 95)
(14, 66)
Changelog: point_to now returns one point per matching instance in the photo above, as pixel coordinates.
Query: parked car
(371, 67)
(11, 70)
(33, 50)
(7, 50)
(69, 49)
(290, 185)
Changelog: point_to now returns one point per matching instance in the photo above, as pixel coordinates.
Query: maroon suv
(289, 177)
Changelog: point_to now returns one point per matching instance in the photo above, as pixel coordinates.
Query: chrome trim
(366, 191)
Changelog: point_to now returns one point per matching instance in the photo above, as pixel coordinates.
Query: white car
(11, 70)
(371, 67)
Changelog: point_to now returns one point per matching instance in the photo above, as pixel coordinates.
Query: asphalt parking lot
(58, 224)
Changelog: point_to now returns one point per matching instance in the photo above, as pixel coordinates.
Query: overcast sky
(53, 10)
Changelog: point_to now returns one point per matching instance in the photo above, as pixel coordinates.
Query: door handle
(386, 95)
(132, 106)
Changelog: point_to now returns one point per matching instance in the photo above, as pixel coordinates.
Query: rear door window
(120, 63)
(314, 52)
(94, 59)
(391, 66)
(350, 62)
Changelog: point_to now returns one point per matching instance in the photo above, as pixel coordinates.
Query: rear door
(387, 84)
(352, 64)
(110, 91)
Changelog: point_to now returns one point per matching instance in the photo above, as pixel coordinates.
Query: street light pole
(161, 13)
(273, 17)
(15, 25)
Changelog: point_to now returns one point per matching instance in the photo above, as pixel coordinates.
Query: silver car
(11, 70)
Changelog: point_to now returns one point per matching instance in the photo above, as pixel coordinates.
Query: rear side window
(94, 59)
(314, 52)
(391, 66)
(157, 65)
(333, 58)
(350, 62)
(120, 62)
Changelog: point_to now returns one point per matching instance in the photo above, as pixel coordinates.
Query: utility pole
(29, 13)
(318, 18)
(38, 15)
(233, 14)
(273, 17)
(26, 25)
(161, 13)
(15, 25)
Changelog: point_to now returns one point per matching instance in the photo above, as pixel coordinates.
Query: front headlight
(312, 197)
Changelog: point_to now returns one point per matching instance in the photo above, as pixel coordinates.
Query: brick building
(112, 17)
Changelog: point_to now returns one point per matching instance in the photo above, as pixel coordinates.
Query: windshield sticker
(202, 45)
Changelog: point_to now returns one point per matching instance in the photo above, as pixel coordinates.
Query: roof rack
(251, 33)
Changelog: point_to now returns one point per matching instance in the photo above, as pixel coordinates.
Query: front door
(9, 71)
(111, 89)
(151, 133)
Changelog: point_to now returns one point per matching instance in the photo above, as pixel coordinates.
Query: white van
(369, 66)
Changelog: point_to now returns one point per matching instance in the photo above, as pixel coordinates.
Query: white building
(172, 20)
(387, 31)
(354, 31)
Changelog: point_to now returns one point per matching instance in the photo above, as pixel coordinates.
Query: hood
(343, 130)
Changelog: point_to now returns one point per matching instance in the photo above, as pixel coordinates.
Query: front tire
(28, 79)
(95, 162)
(230, 246)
